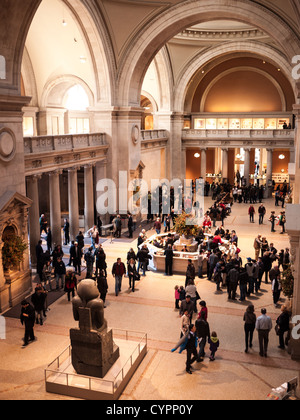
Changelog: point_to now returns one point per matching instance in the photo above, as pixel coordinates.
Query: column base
(294, 349)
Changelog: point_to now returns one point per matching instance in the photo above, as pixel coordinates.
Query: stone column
(247, 166)
(293, 229)
(177, 120)
(88, 197)
(55, 207)
(203, 164)
(34, 214)
(269, 172)
(296, 184)
(224, 164)
(183, 163)
(73, 202)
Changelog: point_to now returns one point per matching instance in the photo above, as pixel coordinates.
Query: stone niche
(15, 283)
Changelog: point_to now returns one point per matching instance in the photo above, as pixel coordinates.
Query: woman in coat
(102, 285)
(132, 273)
(249, 326)
(283, 323)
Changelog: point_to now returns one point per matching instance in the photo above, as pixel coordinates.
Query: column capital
(89, 165)
(55, 172)
(74, 168)
(34, 177)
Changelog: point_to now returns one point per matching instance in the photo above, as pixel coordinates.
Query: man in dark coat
(187, 305)
(203, 333)
(66, 230)
(130, 225)
(191, 348)
(27, 317)
(100, 260)
(169, 254)
(38, 301)
(75, 257)
(190, 272)
(233, 281)
(39, 259)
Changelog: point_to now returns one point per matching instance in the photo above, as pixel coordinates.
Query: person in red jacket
(251, 213)
(118, 272)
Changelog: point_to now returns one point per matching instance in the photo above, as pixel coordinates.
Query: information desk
(180, 260)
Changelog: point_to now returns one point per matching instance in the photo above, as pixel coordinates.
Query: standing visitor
(70, 284)
(130, 225)
(102, 285)
(272, 219)
(283, 325)
(251, 213)
(261, 212)
(118, 272)
(27, 318)
(191, 348)
(89, 260)
(60, 272)
(132, 274)
(169, 254)
(214, 345)
(66, 230)
(249, 326)
(263, 327)
(38, 301)
(203, 333)
(282, 222)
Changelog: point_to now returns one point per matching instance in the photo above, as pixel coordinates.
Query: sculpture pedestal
(93, 353)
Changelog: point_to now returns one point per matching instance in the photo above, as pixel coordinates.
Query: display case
(258, 123)
(234, 124)
(270, 123)
(211, 123)
(247, 124)
(199, 124)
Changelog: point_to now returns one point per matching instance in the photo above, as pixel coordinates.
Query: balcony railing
(42, 144)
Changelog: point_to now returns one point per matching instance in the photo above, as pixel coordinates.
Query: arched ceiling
(64, 46)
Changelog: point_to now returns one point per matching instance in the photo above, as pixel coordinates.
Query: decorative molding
(8, 145)
(135, 134)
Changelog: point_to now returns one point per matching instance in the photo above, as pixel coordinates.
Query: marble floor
(161, 376)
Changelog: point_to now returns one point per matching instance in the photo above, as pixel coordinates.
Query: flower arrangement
(13, 252)
(184, 225)
(287, 282)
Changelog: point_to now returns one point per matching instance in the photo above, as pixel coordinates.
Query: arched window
(76, 99)
(2, 67)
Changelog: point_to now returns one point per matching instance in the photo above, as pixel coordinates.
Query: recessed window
(2, 68)
(76, 99)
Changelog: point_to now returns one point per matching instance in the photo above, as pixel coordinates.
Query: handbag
(137, 277)
(277, 329)
(197, 296)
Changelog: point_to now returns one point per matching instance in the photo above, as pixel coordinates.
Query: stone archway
(181, 16)
(185, 88)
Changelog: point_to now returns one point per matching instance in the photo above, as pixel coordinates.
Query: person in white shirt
(263, 326)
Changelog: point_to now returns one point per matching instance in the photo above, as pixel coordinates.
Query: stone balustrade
(47, 153)
(44, 144)
(237, 138)
(154, 139)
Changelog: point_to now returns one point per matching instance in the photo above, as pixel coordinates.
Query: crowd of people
(218, 260)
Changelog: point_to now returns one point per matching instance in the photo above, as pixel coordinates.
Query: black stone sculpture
(93, 349)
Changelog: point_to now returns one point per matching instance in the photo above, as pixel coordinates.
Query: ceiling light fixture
(82, 59)
(64, 22)
(197, 155)
(281, 157)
